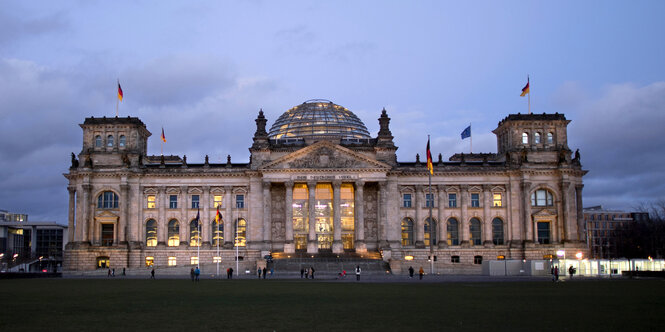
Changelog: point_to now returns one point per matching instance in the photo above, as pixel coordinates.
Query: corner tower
(113, 142)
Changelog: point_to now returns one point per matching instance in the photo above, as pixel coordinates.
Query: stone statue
(576, 160)
(125, 160)
(88, 162)
(184, 159)
(207, 162)
(75, 163)
(524, 156)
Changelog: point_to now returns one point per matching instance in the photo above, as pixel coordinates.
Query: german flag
(430, 167)
(163, 137)
(525, 89)
(119, 92)
(218, 216)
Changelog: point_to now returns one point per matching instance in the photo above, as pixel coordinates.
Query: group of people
(421, 272)
(194, 274)
(264, 271)
(555, 272)
(307, 273)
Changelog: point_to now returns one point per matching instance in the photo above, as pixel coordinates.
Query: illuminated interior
(427, 232)
(347, 210)
(151, 201)
(194, 234)
(173, 233)
(151, 233)
(218, 233)
(323, 212)
(241, 233)
(149, 261)
(300, 215)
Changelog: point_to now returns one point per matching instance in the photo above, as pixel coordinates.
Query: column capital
(71, 189)
(337, 183)
(487, 187)
(183, 189)
(266, 185)
(311, 184)
(288, 184)
(359, 184)
(206, 188)
(124, 187)
(579, 186)
(228, 189)
(464, 187)
(441, 188)
(526, 185)
(564, 185)
(86, 187)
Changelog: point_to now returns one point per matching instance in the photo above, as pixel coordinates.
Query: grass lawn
(288, 305)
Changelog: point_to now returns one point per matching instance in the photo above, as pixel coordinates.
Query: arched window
(427, 231)
(98, 141)
(536, 138)
(174, 233)
(122, 141)
(217, 233)
(109, 141)
(241, 233)
(497, 231)
(407, 232)
(151, 233)
(525, 138)
(107, 200)
(550, 138)
(453, 232)
(194, 234)
(542, 197)
(474, 231)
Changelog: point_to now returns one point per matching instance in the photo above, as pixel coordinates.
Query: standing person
(230, 273)
(197, 272)
(307, 273)
(191, 274)
(552, 272)
(312, 272)
(152, 273)
(421, 273)
(571, 271)
(556, 273)
(357, 272)
(302, 272)
(113, 271)
(123, 272)
(410, 271)
(272, 271)
(258, 272)
(264, 273)
(109, 273)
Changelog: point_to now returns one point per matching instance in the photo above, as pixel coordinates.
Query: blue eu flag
(467, 132)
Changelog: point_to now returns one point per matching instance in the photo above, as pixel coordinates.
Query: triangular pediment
(544, 213)
(325, 155)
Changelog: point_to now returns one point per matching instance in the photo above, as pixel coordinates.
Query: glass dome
(318, 118)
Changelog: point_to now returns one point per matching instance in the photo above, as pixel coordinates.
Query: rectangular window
(173, 201)
(151, 202)
(107, 234)
(217, 201)
(452, 200)
(543, 232)
(407, 200)
(475, 200)
(194, 260)
(149, 261)
(454, 259)
(477, 259)
(172, 261)
(240, 201)
(217, 259)
(195, 201)
(497, 200)
(429, 200)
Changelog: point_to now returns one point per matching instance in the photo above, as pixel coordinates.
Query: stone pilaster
(229, 219)
(382, 211)
(312, 245)
(420, 222)
(87, 214)
(527, 222)
(579, 218)
(206, 220)
(289, 246)
(163, 224)
(124, 213)
(337, 246)
(72, 214)
(267, 227)
(442, 226)
(562, 231)
(359, 215)
(486, 229)
(464, 223)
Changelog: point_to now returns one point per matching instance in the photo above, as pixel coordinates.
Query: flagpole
(236, 243)
(217, 233)
(470, 139)
(529, 93)
(117, 102)
(198, 240)
(431, 222)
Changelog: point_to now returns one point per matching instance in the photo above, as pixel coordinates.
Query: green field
(289, 305)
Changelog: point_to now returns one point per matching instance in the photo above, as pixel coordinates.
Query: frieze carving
(325, 158)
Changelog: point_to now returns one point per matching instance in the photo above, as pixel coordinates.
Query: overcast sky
(203, 69)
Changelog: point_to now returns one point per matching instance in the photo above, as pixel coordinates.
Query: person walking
(307, 273)
(230, 273)
(191, 274)
(421, 272)
(311, 272)
(571, 271)
(357, 272)
(264, 272)
(152, 273)
(410, 271)
(197, 272)
(556, 273)
(302, 272)
(258, 272)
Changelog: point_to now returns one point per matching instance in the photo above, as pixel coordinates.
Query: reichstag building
(318, 183)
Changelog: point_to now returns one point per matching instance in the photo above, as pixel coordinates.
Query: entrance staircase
(329, 265)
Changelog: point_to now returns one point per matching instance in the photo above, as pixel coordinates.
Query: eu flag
(467, 132)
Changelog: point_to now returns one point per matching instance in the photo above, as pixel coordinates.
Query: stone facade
(324, 194)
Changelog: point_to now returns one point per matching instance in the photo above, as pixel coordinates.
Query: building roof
(114, 120)
(533, 117)
(318, 118)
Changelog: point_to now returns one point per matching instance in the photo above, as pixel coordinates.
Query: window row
(195, 201)
(173, 261)
(195, 238)
(549, 138)
(453, 238)
(497, 200)
(110, 141)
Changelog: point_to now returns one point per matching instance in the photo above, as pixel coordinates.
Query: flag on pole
(525, 89)
(163, 137)
(467, 132)
(197, 217)
(119, 92)
(430, 167)
(218, 216)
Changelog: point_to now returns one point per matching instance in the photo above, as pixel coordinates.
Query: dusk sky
(203, 69)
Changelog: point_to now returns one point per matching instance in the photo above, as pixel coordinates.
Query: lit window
(496, 199)
(452, 200)
(550, 138)
(217, 259)
(217, 201)
(475, 200)
(172, 261)
(453, 232)
(103, 262)
(536, 138)
(407, 200)
(543, 232)
(217, 233)
(194, 260)
(430, 232)
(241, 233)
(497, 231)
(122, 141)
(107, 200)
(149, 261)
(429, 200)
(151, 201)
(407, 232)
(194, 234)
(109, 141)
(151, 233)
(240, 201)
(474, 231)
(541, 197)
(195, 201)
(98, 141)
(173, 233)
(173, 201)
(525, 138)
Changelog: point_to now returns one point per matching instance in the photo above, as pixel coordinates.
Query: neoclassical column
(72, 214)
(87, 212)
(137, 226)
(562, 230)
(312, 241)
(579, 214)
(487, 222)
(229, 223)
(163, 224)
(464, 223)
(383, 215)
(184, 218)
(359, 215)
(528, 235)
(337, 218)
(289, 246)
(442, 226)
(420, 222)
(267, 225)
(124, 213)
